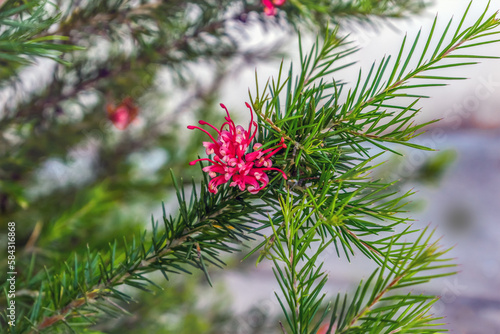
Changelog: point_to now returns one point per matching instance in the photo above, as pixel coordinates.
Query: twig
(283, 328)
(101, 289)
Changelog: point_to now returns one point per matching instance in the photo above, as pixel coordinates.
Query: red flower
(324, 329)
(270, 8)
(231, 162)
(123, 114)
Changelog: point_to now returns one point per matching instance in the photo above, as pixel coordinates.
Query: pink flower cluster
(270, 8)
(231, 162)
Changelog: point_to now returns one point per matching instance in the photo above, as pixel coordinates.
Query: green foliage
(83, 254)
(20, 41)
(376, 307)
(323, 12)
(330, 197)
(206, 226)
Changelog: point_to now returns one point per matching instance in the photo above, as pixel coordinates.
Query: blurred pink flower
(123, 114)
(231, 162)
(269, 6)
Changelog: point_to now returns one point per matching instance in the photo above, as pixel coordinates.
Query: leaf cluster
(378, 306)
(331, 197)
(19, 41)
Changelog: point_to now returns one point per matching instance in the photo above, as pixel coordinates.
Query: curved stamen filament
(210, 125)
(223, 124)
(282, 145)
(274, 149)
(276, 169)
(205, 159)
(273, 152)
(192, 127)
(251, 121)
(228, 118)
(254, 132)
(251, 113)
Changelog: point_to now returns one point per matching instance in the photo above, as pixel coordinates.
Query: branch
(54, 96)
(161, 254)
(368, 307)
(102, 289)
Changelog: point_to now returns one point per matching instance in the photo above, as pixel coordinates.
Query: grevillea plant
(292, 186)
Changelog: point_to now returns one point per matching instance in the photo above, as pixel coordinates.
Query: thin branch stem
(375, 301)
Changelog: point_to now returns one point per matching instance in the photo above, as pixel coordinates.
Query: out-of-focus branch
(53, 96)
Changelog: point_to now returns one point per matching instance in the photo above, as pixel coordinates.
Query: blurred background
(86, 149)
